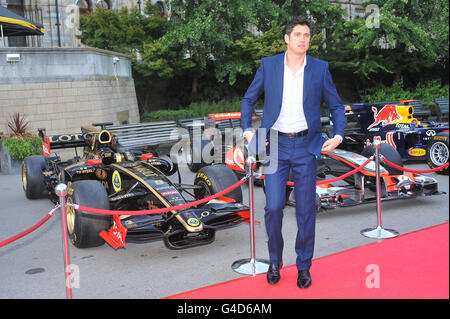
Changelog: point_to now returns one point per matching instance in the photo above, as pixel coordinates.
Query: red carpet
(414, 265)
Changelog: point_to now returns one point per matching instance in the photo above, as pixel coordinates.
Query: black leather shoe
(304, 279)
(273, 274)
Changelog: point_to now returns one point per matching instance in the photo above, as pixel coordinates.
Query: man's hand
(331, 144)
(248, 136)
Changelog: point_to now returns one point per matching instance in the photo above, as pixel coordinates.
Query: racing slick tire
(437, 152)
(33, 182)
(189, 153)
(390, 153)
(215, 178)
(84, 228)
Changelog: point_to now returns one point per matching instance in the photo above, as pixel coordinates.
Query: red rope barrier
(161, 210)
(29, 230)
(336, 178)
(111, 212)
(158, 210)
(346, 174)
(412, 170)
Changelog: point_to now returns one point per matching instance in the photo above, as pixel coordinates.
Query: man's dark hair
(296, 21)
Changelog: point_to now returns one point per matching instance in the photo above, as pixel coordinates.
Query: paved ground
(32, 267)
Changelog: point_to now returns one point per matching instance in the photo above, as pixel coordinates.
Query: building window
(161, 9)
(16, 6)
(85, 6)
(106, 4)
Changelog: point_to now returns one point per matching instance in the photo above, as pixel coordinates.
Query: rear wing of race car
(88, 137)
(60, 141)
(226, 120)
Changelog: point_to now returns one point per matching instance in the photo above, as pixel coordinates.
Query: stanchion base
(379, 233)
(250, 266)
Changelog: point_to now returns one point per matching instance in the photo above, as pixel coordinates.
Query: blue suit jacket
(317, 86)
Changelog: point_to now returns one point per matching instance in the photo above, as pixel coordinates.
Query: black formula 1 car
(130, 180)
(358, 188)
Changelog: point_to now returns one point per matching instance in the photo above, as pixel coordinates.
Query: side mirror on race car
(237, 158)
(164, 164)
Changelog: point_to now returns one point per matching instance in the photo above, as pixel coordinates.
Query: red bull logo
(385, 116)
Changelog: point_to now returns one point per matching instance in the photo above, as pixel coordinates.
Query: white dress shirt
(292, 118)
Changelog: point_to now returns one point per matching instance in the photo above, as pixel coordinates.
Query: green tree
(159, 61)
(416, 33)
(329, 30)
(210, 50)
(207, 31)
(247, 52)
(125, 31)
(138, 35)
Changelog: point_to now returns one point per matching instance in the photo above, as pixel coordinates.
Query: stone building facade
(61, 29)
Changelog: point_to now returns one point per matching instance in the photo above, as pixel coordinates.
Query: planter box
(8, 165)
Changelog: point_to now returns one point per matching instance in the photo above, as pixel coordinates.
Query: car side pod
(378, 232)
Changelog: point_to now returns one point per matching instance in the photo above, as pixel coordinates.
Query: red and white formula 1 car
(357, 188)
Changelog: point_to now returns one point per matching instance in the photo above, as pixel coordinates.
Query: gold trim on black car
(162, 199)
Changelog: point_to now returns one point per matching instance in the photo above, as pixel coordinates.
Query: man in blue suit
(294, 85)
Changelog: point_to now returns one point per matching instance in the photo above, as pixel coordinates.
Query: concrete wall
(62, 89)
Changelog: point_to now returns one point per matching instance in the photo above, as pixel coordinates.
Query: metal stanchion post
(251, 266)
(61, 191)
(379, 232)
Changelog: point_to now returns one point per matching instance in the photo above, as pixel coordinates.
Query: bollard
(379, 232)
(61, 191)
(251, 266)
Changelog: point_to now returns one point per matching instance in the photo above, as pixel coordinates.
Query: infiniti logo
(431, 133)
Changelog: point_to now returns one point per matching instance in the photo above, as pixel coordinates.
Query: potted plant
(17, 145)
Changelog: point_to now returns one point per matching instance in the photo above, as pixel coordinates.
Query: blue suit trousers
(292, 155)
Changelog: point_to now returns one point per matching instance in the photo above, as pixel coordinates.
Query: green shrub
(196, 109)
(425, 91)
(428, 91)
(166, 115)
(19, 148)
(204, 108)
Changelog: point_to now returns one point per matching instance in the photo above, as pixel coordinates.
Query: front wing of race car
(360, 187)
(204, 221)
(392, 187)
